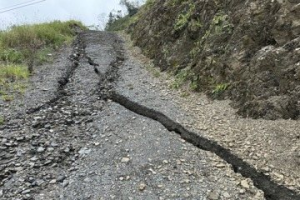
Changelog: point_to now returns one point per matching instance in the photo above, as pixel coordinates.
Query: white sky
(90, 12)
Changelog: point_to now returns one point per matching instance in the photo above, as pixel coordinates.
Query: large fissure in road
(42, 144)
(77, 54)
(63, 124)
(272, 190)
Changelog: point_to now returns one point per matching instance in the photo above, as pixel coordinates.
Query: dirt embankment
(248, 51)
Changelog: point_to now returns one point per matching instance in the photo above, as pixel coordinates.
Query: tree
(111, 19)
(131, 7)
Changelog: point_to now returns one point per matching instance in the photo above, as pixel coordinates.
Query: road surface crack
(77, 53)
(272, 190)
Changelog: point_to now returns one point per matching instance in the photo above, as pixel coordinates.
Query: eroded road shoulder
(84, 144)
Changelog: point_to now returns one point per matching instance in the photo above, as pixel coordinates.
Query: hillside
(244, 51)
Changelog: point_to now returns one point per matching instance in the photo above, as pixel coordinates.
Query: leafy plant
(219, 89)
(180, 78)
(181, 21)
(11, 55)
(184, 18)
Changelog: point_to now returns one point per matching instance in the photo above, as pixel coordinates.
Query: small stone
(19, 169)
(125, 160)
(279, 176)
(84, 151)
(266, 169)
(1, 193)
(244, 184)
(21, 138)
(47, 162)
(53, 181)
(213, 195)
(40, 149)
(50, 149)
(65, 183)
(220, 165)
(54, 144)
(242, 191)
(39, 182)
(152, 171)
(8, 144)
(61, 178)
(87, 180)
(34, 158)
(97, 143)
(26, 191)
(226, 195)
(185, 181)
(67, 150)
(47, 126)
(142, 186)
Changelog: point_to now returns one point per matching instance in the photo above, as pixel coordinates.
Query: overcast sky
(90, 12)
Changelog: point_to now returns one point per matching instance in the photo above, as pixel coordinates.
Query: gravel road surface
(69, 137)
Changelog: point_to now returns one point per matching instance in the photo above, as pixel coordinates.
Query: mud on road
(86, 137)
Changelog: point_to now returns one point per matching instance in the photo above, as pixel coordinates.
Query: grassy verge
(23, 48)
(12, 80)
(21, 44)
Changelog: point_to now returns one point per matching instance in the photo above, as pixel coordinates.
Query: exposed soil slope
(246, 51)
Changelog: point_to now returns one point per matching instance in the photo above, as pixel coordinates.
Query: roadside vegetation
(118, 22)
(22, 48)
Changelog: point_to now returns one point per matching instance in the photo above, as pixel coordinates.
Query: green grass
(180, 78)
(52, 34)
(22, 46)
(219, 89)
(184, 18)
(154, 71)
(2, 120)
(44, 55)
(10, 78)
(7, 97)
(22, 43)
(13, 72)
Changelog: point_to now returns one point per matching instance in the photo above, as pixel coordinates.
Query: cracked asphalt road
(79, 144)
